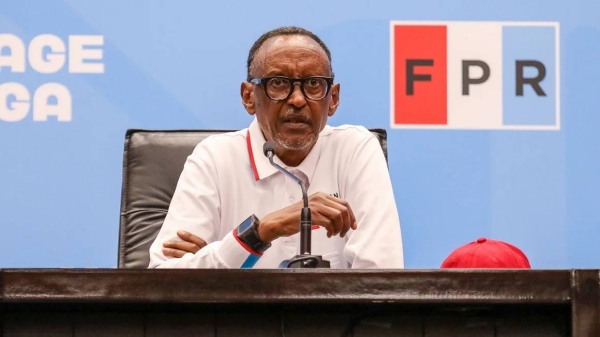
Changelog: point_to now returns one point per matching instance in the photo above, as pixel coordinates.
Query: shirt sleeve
(195, 208)
(377, 241)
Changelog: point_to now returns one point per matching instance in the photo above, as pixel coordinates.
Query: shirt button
(291, 198)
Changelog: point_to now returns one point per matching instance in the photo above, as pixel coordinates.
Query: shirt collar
(262, 168)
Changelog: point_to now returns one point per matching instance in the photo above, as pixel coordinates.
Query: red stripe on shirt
(252, 163)
(246, 247)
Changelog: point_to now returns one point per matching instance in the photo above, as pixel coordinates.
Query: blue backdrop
(178, 64)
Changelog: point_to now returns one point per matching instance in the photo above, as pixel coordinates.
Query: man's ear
(335, 99)
(247, 93)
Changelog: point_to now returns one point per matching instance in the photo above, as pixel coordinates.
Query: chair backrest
(152, 163)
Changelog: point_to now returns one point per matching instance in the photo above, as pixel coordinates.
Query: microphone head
(269, 149)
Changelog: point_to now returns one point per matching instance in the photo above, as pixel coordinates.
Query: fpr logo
(475, 75)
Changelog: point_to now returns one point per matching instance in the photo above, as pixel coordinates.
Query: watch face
(246, 224)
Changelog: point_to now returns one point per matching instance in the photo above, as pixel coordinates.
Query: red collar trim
(252, 163)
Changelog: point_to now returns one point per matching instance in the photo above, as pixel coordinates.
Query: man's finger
(345, 203)
(182, 245)
(322, 221)
(345, 215)
(173, 252)
(189, 237)
(347, 218)
(335, 217)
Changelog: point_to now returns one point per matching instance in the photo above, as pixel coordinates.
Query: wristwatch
(247, 232)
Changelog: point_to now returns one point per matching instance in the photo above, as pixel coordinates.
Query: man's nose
(297, 98)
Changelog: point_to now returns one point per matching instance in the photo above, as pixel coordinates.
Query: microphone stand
(305, 259)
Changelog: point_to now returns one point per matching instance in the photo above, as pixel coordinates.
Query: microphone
(305, 259)
(269, 151)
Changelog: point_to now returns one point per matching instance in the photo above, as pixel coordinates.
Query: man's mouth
(296, 120)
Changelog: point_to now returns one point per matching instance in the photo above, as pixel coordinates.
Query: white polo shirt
(227, 178)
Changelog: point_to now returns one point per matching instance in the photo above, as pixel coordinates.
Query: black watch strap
(247, 233)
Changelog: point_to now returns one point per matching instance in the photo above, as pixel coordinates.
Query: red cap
(485, 253)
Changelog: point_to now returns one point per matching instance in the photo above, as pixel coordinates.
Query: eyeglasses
(279, 88)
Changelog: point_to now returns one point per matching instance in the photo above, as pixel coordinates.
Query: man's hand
(327, 211)
(190, 244)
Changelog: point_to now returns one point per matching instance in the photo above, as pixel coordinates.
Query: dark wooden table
(120, 302)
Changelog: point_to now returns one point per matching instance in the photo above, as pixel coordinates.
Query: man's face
(293, 124)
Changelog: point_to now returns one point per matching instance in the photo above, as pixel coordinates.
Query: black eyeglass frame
(264, 80)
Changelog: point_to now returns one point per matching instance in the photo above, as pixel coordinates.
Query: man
(248, 212)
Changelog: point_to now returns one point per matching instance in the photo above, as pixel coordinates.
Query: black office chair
(152, 163)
